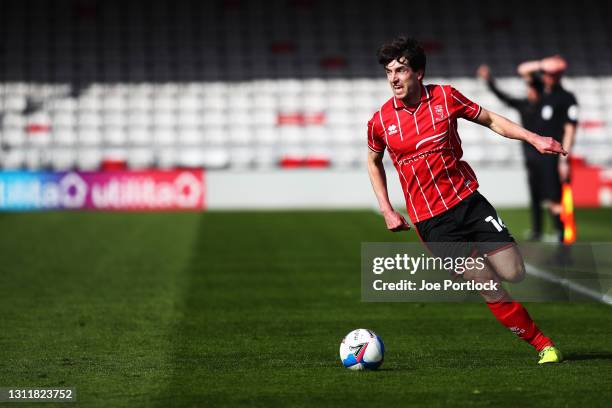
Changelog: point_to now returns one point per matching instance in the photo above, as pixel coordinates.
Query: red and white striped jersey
(425, 148)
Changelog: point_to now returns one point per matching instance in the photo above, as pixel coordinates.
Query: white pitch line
(547, 276)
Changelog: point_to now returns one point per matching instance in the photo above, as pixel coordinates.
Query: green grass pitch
(248, 308)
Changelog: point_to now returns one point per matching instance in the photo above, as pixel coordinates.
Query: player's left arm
(511, 130)
(569, 135)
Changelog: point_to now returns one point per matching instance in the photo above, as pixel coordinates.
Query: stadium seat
(140, 158)
(190, 137)
(214, 136)
(191, 157)
(34, 158)
(164, 119)
(115, 136)
(89, 103)
(63, 119)
(89, 119)
(242, 157)
(139, 136)
(12, 120)
(113, 119)
(265, 158)
(63, 159)
(13, 159)
(13, 137)
(138, 119)
(63, 136)
(14, 103)
(164, 138)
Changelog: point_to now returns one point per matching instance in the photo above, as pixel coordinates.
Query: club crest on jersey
(439, 112)
(392, 129)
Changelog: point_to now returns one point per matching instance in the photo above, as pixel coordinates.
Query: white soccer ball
(362, 349)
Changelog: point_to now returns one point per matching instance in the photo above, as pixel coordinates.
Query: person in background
(529, 110)
(558, 118)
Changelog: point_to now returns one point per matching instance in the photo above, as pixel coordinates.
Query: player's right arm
(376, 170)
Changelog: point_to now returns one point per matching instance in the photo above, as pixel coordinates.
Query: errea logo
(392, 129)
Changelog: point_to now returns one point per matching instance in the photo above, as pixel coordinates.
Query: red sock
(515, 317)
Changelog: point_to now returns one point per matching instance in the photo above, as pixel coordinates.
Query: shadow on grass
(396, 369)
(597, 355)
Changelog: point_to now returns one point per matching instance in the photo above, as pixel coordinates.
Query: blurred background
(272, 97)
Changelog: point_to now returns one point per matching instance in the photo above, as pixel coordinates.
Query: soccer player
(418, 126)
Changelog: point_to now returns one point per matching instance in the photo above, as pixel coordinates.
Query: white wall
(325, 188)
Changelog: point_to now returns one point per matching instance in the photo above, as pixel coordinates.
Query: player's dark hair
(405, 47)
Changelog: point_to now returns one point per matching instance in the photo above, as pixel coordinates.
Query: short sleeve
(375, 140)
(462, 107)
(570, 110)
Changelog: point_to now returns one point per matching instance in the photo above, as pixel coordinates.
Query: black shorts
(543, 174)
(471, 227)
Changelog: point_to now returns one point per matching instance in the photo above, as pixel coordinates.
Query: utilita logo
(145, 192)
(127, 190)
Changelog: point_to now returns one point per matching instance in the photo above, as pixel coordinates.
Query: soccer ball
(362, 349)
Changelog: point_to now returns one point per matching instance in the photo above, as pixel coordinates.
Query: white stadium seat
(194, 157)
(89, 119)
(140, 158)
(63, 159)
(139, 102)
(115, 136)
(13, 159)
(113, 102)
(240, 135)
(33, 159)
(14, 103)
(164, 103)
(163, 137)
(13, 137)
(291, 136)
(214, 136)
(190, 137)
(166, 158)
(89, 137)
(189, 119)
(89, 103)
(138, 119)
(140, 136)
(63, 119)
(63, 136)
(12, 120)
(242, 157)
(189, 103)
(165, 119)
(114, 119)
